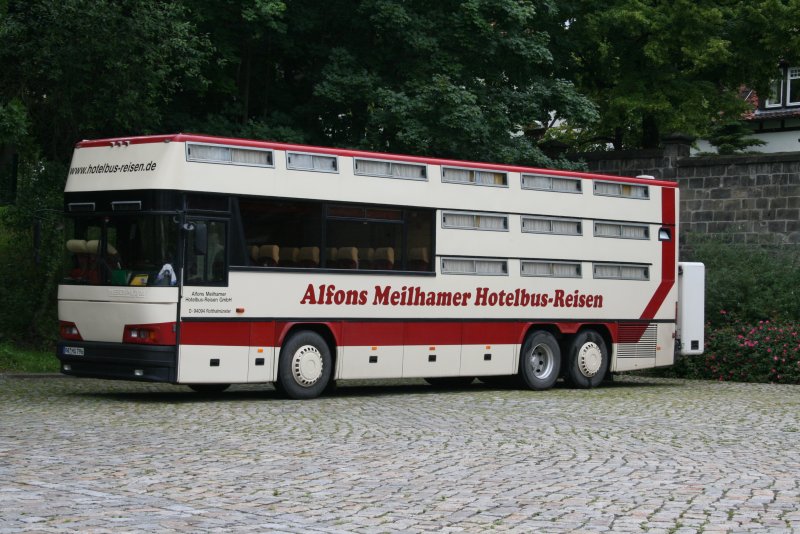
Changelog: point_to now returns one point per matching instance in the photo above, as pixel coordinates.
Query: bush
(752, 312)
(741, 351)
(749, 282)
(31, 254)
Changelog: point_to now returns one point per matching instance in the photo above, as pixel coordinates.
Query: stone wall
(751, 199)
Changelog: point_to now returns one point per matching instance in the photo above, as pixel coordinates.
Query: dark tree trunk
(650, 136)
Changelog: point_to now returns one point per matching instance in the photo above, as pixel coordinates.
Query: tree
(732, 136)
(656, 67)
(88, 68)
(468, 79)
(70, 70)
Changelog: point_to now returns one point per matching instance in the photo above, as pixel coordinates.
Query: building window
(311, 162)
(551, 225)
(793, 93)
(552, 269)
(474, 177)
(543, 182)
(474, 221)
(492, 267)
(775, 98)
(390, 169)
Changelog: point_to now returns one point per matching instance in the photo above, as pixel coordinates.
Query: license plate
(73, 351)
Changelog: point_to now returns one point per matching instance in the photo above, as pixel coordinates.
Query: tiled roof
(776, 113)
(757, 114)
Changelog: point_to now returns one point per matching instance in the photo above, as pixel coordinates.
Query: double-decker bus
(209, 261)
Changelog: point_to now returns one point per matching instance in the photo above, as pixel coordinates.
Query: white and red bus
(209, 261)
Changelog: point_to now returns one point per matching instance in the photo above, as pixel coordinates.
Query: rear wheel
(540, 360)
(305, 365)
(587, 362)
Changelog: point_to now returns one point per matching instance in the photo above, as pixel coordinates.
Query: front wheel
(305, 365)
(540, 360)
(587, 362)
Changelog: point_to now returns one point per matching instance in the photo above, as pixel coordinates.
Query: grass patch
(14, 359)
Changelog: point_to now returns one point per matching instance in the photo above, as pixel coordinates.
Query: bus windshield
(131, 250)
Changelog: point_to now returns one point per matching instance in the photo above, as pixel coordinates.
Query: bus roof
(232, 141)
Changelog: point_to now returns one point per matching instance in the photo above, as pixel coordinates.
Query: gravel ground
(641, 455)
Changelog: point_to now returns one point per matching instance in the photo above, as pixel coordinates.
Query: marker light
(149, 334)
(69, 331)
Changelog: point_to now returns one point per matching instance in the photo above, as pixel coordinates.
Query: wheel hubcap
(541, 361)
(590, 358)
(307, 365)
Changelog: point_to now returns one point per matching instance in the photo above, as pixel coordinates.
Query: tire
(539, 361)
(209, 388)
(305, 365)
(587, 361)
(450, 381)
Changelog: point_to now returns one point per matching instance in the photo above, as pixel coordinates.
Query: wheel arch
(535, 327)
(328, 331)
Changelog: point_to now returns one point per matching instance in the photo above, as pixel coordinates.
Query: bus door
(206, 253)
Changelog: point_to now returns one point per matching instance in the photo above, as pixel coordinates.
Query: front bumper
(118, 361)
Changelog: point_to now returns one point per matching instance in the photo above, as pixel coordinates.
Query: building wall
(752, 199)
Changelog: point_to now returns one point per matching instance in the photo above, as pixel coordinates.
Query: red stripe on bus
(433, 333)
(668, 257)
(216, 333)
(372, 333)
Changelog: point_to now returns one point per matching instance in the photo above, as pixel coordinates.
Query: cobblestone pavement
(644, 454)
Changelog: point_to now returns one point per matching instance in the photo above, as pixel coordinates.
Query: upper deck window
(474, 177)
(621, 271)
(621, 230)
(610, 189)
(390, 169)
(552, 269)
(255, 157)
(551, 225)
(311, 162)
(559, 184)
(474, 221)
(480, 266)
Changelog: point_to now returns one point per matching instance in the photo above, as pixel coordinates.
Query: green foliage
(654, 68)
(14, 122)
(752, 314)
(31, 254)
(14, 359)
(749, 282)
(732, 136)
(459, 79)
(745, 351)
(89, 68)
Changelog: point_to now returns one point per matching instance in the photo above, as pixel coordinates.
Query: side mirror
(201, 239)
